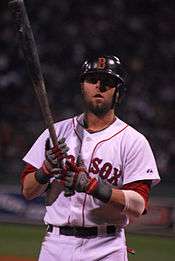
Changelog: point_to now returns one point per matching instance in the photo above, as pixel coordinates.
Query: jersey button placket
(87, 147)
(86, 150)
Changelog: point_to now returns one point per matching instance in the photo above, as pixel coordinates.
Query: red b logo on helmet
(101, 63)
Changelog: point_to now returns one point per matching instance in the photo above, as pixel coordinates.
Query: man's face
(98, 93)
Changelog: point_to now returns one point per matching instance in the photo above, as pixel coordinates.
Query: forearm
(35, 181)
(31, 187)
(117, 198)
(129, 201)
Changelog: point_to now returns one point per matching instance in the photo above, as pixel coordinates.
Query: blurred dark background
(140, 32)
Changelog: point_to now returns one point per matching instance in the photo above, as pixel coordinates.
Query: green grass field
(24, 240)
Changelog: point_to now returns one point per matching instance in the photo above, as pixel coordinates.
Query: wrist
(40, 177)
(46, 168)
(91, 186)
(99, 189)
(43, 174)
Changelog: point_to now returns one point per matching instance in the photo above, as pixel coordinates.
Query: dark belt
(83, 231)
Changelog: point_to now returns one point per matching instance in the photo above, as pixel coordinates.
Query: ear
(117, 96)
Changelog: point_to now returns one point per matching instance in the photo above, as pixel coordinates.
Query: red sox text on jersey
(104, 170)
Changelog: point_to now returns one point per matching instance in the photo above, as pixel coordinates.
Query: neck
(94, 123)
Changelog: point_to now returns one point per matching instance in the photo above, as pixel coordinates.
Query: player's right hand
(54, 156)
(53, 163)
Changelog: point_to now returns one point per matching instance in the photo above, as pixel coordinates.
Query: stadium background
(142, 34)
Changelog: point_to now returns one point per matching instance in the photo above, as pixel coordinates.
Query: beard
(99, 109)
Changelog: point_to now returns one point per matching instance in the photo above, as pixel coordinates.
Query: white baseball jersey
(118, 154)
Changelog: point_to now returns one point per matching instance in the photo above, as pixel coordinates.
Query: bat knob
(69, 192)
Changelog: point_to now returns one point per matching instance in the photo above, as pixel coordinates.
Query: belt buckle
(102, 230)
(111, 230)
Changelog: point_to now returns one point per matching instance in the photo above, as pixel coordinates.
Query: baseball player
(98, 176)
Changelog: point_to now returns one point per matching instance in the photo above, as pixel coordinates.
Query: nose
(99, 86)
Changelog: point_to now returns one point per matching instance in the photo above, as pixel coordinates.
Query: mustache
(98, 95)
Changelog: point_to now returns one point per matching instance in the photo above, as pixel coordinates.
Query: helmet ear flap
(122, 92)
(119, 94)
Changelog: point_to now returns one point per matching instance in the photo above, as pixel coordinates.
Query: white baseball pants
(56, 247)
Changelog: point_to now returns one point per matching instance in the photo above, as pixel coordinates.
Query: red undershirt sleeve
(28, 169)
(142, 187)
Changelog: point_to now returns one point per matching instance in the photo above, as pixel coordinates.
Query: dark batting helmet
(105, 64)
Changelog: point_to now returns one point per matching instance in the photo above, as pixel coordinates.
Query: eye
(109, 82)
(91, 79)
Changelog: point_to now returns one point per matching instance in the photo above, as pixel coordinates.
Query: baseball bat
(30, 53)
(31, 57)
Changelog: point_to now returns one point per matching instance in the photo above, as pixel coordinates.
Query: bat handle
(68, 192)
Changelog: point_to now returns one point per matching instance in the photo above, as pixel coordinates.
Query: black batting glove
(55, 155)
(65, 178)
(53, 161)
(82, 182)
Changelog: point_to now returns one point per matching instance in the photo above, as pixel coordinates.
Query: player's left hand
(80, 181)
(73, 176)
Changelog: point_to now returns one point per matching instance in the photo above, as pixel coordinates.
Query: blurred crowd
(139, 32)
